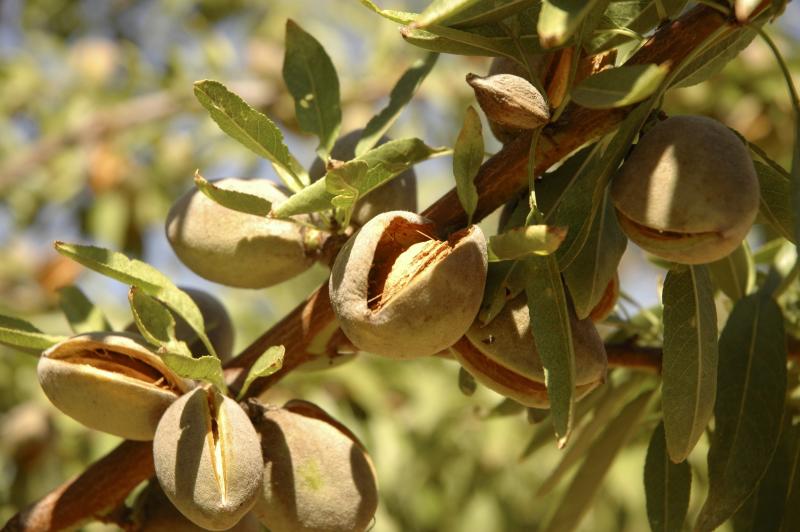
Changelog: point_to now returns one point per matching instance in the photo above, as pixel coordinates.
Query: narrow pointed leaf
(250, 127)
(155, 322)
(484, 13)
(401, 17)
(521, 242)
(552, 333)
(577, 498)
(312, 80)
(775, 199)
(313, 198)
(712, 60)
(596, 265)
(19, 333)
(233, 199)
(689, 364)
(735, 274)
(83, 315)
(452, 41)
(141, 275)
(401, 94)
(343, 183)
(749, 406)
(559, 20)
(467, 158)
(620, 86)
(441, 10)
(206, 368)
(264, 366)
(638, 17)
(667, 486)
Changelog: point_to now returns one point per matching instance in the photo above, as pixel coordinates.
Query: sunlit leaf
(467, 158)
(528, 240)
(401, 17)
(264, 366)
(483, 13)
(19, 333)
(206, 368)
(441, 10)
(560, 19)
(312, 80)
(667, 486)
(689, 364)
(233, 199)
(155, 322)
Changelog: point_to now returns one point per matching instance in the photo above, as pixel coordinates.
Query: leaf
(155, 322)
(343, 183)
(441, 10)
(312, 80)
(452, 41)
(638, 16)
(712, 60)
(791, 517)
(383, 163)
(588, 275)
(552, 333)
(775, 199)
(250, 127)
(620, 86)
(578, 496)
(15, 332)
(735, 274)
(83, 316)
(401, 17)
(467, 158)
(521, 242)
(484, 13)
(496, 292)
(559, 20)
(607, 407)
(466, 382)
(401, 94)
(264, 366)
(689, 363)
(747, 415)
(141, 275)
(233, 199)
(206, 368)
(667, 486)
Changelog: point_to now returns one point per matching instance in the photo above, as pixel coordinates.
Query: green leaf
(206, 368)
(667, 486)
(607, 407)
(496, 292)
(343, 183)
(620, 86)
(577, 498)
(264, 366)
(467, 158)
(552, 333)
(233, 199)
(441, 10)
(83, 316)
(141, 275)
(401, 94)
(521, 242)
(401, 17)
(19, 333)
(747, 415)
(560, 19)
(383, 163)
(155, 322)
(250, 127)
(712, 60)
(775, 199)
(637, 16)
(312, 80)
(689, 364)
(735, 274)
(588, 275)
(484, 13)
(452, 41)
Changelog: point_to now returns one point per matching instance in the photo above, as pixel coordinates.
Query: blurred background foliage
(99, 133)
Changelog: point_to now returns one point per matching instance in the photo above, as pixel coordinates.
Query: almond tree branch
(105, 484)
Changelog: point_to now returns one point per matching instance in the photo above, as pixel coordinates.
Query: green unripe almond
(399, 292)
(503, 355)
(399, 194)
(234, 248)
(207, 459)
(317, 475)
(688, 192)
(110, 382)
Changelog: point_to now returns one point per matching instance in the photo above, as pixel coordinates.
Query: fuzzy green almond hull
(233, 248)
(109, 382)
(317, 475)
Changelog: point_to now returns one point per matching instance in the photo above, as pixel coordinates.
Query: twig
(499, 179)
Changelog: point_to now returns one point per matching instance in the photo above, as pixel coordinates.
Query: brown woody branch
(106, 483)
